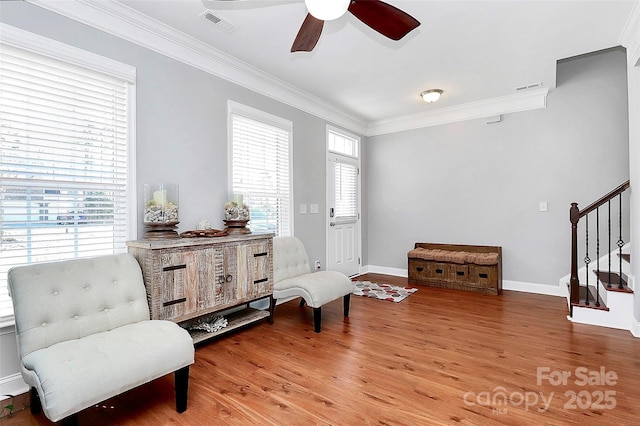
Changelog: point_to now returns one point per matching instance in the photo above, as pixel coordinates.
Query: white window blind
(346, 188)
(63, 162)
(261, 172)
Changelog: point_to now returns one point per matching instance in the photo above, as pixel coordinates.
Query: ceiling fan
(382, 17)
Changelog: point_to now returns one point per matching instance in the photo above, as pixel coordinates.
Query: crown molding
(44, 46)
(119, 20)
(518, 102)
(630, 35)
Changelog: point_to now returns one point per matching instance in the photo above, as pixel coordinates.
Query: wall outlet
(318, 265)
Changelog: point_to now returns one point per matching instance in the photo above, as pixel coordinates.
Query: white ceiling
(473, 50)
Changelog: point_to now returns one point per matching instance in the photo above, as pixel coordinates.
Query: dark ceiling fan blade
(384, 18)
(308, 35)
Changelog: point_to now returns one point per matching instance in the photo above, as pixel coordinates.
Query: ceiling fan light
(431, 95)
(327, 10)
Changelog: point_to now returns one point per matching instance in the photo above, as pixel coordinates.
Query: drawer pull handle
(460, 273)
(173, 268)
(173, 302)
(420, 268)
(222, 279)
(260, 254)
(260, 280)
(439, 271)
(484, 275)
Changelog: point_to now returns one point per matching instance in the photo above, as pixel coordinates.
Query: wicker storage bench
(455, 266)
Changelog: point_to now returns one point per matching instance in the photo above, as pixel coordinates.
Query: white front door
(343, 215)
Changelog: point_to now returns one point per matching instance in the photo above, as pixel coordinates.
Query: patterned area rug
(382, 291)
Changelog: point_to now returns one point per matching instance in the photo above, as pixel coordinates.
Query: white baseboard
(373, 269)
(537, 288)
(635, 328)
(546, 289)
(13, 385)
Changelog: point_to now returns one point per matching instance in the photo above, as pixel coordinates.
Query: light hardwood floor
(438, 357)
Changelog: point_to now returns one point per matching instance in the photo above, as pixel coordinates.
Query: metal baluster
(586, 257)
(597, 256)
(609, 257)
(620, 241)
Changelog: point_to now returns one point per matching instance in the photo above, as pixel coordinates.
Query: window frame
(21, 39)
(331, 130)
(236, 108)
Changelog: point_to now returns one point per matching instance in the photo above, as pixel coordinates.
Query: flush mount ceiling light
(327, 10)
(431, 95)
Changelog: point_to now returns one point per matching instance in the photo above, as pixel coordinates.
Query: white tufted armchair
(84, 334)
(292, 277)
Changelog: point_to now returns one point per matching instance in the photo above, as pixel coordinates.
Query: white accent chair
(292, 277)
(84, 334)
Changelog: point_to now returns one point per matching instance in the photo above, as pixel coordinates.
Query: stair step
(625, 256)
(592, 299)
(603, 276)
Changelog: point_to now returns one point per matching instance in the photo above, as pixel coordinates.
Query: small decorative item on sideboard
(160, 210)
(236, 216)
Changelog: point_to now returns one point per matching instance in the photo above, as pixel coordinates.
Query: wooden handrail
(591, 207)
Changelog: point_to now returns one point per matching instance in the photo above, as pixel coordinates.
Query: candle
(237, 198)
(160, 197)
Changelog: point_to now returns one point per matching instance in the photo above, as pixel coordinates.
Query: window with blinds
(261, 167)
(63, 162)
(346, 188)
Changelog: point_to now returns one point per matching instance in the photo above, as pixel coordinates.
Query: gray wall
(478, 183)
(181, 135)
(633, 76)
(461, 183)
(181, 126)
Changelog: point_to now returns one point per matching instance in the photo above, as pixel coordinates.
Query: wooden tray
(204, 233)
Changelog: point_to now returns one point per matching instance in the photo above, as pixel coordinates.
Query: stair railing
(575, 214)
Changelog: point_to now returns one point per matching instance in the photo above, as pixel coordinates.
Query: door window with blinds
(346, 193)
(64, 145)
(260, 167)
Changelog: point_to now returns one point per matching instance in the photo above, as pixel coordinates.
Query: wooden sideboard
(194, 279)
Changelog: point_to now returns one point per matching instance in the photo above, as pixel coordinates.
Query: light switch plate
(542, 206)
(313, 208)
(303, 209)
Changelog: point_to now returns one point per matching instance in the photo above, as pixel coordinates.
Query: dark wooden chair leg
(272, 308)
(34, 401)
(317, 320)
(346, 300)
(71, 420)
(302, 302)
(182, 388)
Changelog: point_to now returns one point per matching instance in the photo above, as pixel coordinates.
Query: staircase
(600, 292)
